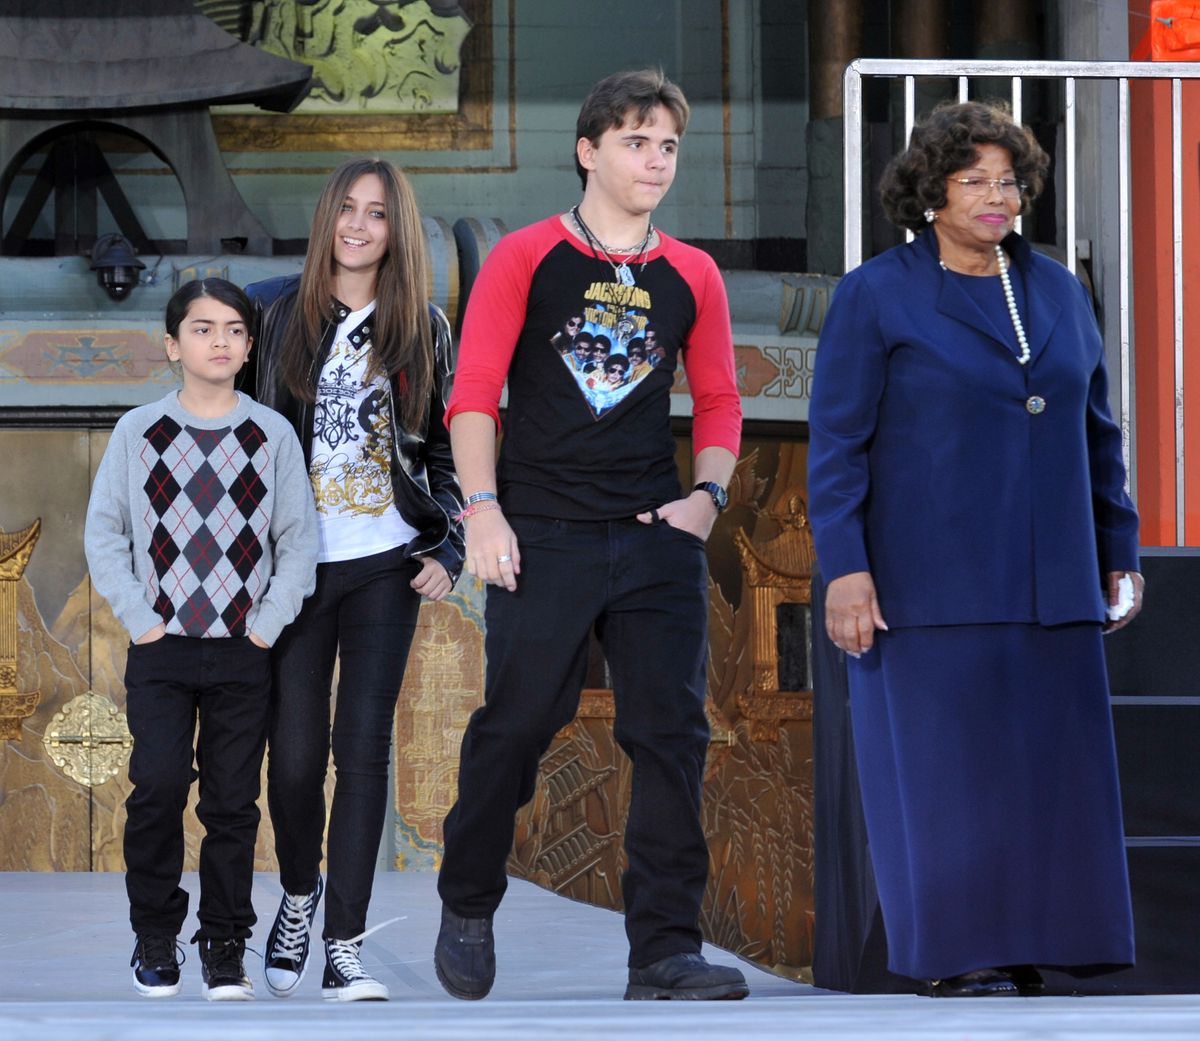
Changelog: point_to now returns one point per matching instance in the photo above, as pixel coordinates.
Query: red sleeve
(708, 358)
(493, 322)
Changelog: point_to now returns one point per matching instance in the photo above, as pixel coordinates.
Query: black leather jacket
(424, 483)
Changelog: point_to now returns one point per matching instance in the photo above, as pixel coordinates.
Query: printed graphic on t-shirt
(352, 437)
(609, 343)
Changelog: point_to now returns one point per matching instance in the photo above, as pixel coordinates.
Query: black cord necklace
(599, 250)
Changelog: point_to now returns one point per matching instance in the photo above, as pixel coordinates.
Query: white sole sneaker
(229, 992)
(156, 992)
(362, 990)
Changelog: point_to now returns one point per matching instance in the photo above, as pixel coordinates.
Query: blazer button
(1035, 406)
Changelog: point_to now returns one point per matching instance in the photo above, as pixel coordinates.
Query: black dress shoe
(465, 956)
(687, 977)
(1028, 980)
(982, 983)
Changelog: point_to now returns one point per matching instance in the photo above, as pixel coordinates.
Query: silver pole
(1072, 260)
(1125, 311)
(910, 119)
(1019, 223)
(852, 111)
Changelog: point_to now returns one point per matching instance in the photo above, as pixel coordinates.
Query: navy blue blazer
(930, 467)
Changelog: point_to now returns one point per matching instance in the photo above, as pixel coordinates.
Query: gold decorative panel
(15, 706)
(778, 570)
(443, 685)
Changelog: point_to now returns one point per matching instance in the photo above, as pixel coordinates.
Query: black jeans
(644, 588)
(363, 613)
(168, 685)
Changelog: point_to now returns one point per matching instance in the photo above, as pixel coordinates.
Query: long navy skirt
(989, 785)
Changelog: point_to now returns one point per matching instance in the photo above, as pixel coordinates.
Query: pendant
(625, 275)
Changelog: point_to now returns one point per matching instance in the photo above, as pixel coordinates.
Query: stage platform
(64, 973)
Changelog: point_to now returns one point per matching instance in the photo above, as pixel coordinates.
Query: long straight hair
(401, 336)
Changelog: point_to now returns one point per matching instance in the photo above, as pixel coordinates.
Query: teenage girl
(352, 352)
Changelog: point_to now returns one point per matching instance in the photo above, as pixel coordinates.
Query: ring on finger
(504, 558)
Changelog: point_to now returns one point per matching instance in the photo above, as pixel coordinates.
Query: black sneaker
(155, 965)
(221, 967)
(686, 977)
(345, 978)
(465, 956)
(288, 942)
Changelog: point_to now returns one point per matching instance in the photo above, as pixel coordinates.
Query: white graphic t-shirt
(352, 451)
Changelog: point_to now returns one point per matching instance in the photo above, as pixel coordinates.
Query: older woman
(967, 500)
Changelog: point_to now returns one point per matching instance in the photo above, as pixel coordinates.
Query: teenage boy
(557, 523)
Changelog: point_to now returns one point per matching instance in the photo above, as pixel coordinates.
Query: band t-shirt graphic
(591, 364)
(608, 343)
(350, 468)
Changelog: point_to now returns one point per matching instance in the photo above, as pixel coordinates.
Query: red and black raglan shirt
(590, 363)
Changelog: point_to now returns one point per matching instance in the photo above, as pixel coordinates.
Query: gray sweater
(204, 525)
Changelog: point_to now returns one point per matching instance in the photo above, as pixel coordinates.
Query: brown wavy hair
(947, 141)
(402, 337)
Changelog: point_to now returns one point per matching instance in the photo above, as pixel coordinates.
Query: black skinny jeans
(171, 685)
(645, 589)
(364, 613)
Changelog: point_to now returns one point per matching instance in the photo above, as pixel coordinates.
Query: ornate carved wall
(63, 779)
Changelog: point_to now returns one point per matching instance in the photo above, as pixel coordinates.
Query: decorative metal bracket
(89, 739)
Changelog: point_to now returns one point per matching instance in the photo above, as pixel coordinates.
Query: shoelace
(345, 953)
(158, 952)
(346, 961)
(294, 927)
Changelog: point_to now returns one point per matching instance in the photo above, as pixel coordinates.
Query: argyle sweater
(204, 525)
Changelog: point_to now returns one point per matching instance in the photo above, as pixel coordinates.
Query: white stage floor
(64, 973)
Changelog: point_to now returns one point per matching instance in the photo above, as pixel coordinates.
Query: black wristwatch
(720, 496)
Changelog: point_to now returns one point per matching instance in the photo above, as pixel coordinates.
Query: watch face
(720, 497)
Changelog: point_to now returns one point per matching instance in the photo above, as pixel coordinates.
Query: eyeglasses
(1007, 187)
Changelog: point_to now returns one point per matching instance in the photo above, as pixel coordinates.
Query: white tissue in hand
(1124, 599)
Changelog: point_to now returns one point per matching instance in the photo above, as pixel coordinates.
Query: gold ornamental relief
(15, 706)
(443, 685)
(777, 571)
(89, 740)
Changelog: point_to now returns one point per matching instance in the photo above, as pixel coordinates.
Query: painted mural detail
(371, 57)
(32, 353)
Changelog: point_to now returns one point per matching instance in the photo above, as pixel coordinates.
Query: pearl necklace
(1011, 301)
(1013, 313)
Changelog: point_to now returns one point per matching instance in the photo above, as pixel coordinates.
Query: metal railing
(1066, 72)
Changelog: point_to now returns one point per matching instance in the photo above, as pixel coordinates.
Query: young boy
(619, 543)
(201, 535)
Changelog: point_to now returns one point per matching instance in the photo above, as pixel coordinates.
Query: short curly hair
(945, 142)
